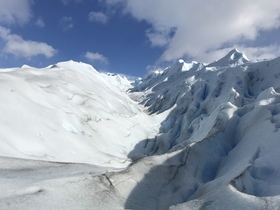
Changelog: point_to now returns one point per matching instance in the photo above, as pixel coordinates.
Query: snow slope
(69, 112)
(199, 136)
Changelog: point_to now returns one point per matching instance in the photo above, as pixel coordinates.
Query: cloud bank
(197, 28)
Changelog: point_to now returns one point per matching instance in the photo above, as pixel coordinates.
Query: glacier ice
(194, 136)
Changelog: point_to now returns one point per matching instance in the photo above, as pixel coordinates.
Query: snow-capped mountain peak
(233, 58)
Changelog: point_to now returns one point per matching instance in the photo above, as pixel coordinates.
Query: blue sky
(133, 36)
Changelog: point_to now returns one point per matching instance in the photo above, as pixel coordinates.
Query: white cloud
(270, 51)
(99, 17)
(40, 23)
(15, 11)
(66, 23)
(16, 45)
(26, 48)
(96, 57)
(201, 26)
(159, 36)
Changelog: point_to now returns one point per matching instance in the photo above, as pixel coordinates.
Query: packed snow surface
(194, 136)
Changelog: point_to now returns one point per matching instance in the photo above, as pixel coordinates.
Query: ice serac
(197, 136)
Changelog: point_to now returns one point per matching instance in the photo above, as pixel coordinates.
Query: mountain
(233, 58)
(194, 136)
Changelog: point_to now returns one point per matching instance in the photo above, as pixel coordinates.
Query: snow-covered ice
(194, 136)
(69, 112)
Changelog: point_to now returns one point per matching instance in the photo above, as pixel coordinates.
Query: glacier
(194, 136)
